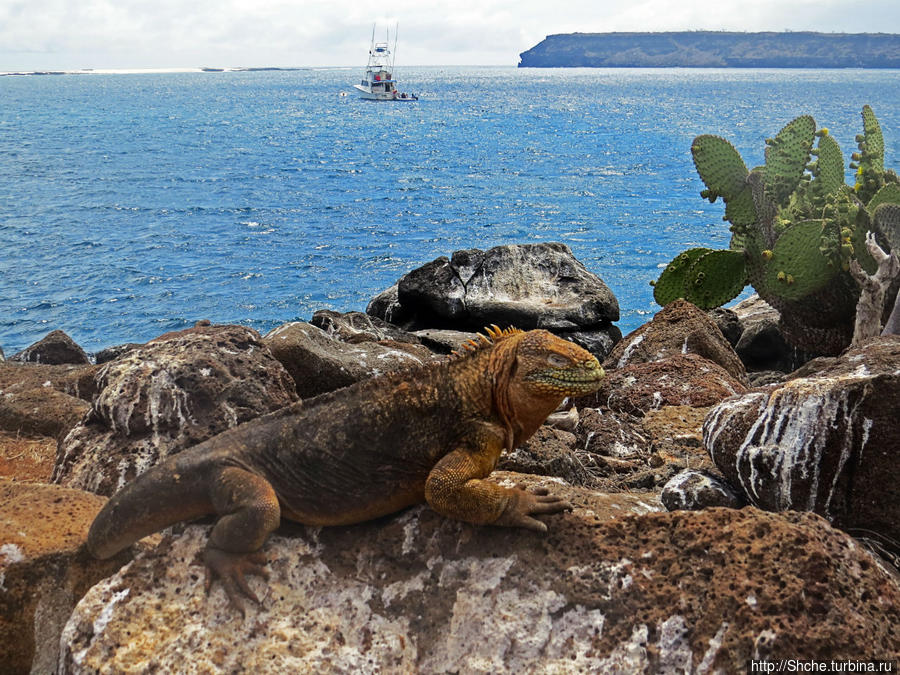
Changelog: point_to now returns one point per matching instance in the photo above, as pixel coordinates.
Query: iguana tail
(156, 499)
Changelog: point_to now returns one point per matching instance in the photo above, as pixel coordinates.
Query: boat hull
(367, 95)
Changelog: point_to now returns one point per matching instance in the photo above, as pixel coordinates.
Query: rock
(605, 591)
(444, 341)
(549, 452)
(680, 379)
(113, 353)
(168, 395)
(826, 443)
(355, 327)
(56, 348)
(675, 434)
(43, 572)
(762, 346)
(728, 322)
(2, 358)
(43, 411)
(319, 363)
(693, 490)
(78, 381)
(603, 432)
(386, 306)
(598, 342)
(678, 328)
(526, 286)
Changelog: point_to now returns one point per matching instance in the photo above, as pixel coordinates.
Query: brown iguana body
(430, 434)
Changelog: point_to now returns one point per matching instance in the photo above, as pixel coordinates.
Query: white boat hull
(367, 95)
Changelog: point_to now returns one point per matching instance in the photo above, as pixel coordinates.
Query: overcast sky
(74, 34)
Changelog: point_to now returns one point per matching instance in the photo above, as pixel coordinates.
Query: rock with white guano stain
(826, 443)
(172, 393)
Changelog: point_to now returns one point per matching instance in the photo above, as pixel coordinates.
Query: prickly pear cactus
(795, 228)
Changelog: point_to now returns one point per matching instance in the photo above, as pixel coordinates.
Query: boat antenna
(394, 55)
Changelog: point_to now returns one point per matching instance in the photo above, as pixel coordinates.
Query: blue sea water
(134, 204)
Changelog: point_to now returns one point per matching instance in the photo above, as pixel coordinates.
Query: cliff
(712, 49)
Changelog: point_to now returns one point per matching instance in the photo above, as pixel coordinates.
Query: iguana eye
(558, 361)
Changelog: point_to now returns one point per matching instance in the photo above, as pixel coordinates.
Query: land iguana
(426, 434)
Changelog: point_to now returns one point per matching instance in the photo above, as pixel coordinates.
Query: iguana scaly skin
(427, 434)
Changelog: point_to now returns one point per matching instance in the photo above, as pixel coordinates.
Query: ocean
(134, 204)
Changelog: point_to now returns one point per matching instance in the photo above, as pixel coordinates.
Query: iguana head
(532, 372)
(549, 367)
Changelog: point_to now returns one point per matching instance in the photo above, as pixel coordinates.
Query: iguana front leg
(455, 488)
(249, 512)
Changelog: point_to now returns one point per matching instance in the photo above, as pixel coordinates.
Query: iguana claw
(231, 568)
(524, 504)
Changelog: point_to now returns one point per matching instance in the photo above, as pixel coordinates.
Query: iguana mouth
(573, 381)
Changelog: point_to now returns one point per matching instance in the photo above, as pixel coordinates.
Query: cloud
(62, 34)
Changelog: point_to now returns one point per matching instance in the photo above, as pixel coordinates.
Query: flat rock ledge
(613, 587)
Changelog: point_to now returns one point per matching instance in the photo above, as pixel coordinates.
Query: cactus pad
(670, 285)
(874, 140)
(829, 168)
(797, 266)
(715, 278)
(720, 167)
(786, 158)
(887, 223)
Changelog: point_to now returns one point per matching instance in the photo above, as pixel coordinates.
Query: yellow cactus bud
(790, 279)
(781, 276)
(767, 254)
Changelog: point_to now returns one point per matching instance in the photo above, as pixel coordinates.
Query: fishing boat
(378, 84)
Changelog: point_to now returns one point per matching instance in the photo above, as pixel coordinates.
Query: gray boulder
(527, 286)
(692, 490)
(318, 361)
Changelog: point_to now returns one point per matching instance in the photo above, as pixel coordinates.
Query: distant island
(715, 49)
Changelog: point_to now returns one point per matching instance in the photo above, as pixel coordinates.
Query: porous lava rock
(678, 328)
(762, 346)
(526, 286)
(43, 571)
(549, 452)
(319, 361)
(78, 381)
(42, 411)
(678, 379)
(613, 587)
(172, 393)
(826, 443)
(56, 348)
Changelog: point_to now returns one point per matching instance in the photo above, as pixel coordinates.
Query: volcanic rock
(56, 348)
(678, 328)
(610, 588)
(693, 490)
(318, 362)
(826, 443)
(43, 571)
(168, 395)
(526, 286)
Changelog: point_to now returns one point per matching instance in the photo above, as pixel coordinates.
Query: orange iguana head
(533, 371)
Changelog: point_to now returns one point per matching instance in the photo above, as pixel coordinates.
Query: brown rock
(826, 443)
(679, 328)
(320, 363)
(169, 395)
(55, 348)
(679, 379)
(604, 591)
(676, 435)
(549, 452)
(43, 411)
(76, 381)
(43, 571)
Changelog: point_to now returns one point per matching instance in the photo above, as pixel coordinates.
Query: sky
(158, 34)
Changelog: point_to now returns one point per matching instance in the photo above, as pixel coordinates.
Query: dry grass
(26, 458)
